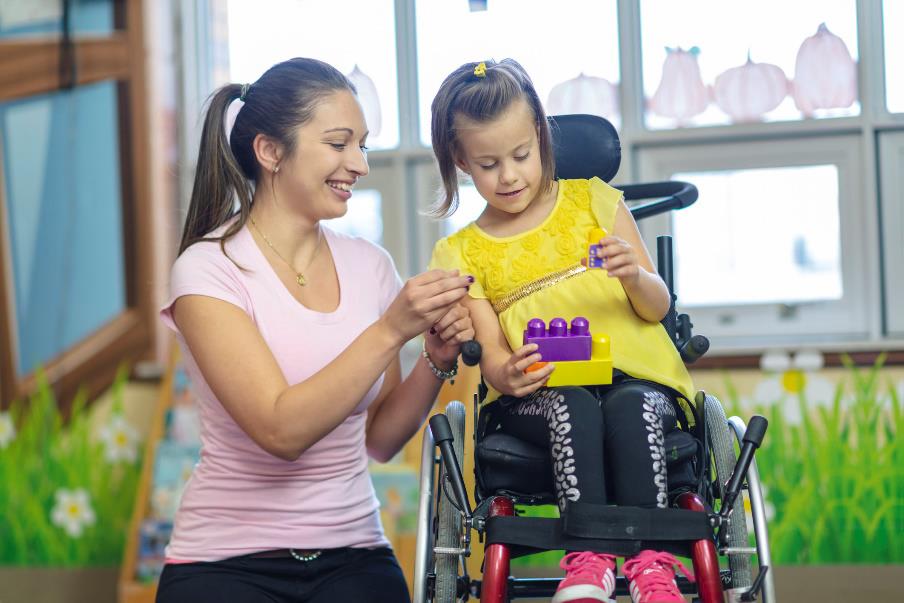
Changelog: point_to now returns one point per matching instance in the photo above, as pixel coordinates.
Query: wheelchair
(706, 520)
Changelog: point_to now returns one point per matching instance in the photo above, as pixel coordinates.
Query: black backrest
(585, 146)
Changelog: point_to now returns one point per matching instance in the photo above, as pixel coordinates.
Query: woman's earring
(275, 169)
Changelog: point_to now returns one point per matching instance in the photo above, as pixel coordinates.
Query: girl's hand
(443, 340)
(621, 260)
(423, 301)
(514, 381)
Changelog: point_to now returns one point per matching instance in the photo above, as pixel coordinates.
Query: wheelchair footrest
(522, 588)
(622, 531)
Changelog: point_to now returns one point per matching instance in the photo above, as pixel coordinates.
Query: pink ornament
(681, 93)
(825, 75)
(584, 94)
(369, 99)
(748, 92)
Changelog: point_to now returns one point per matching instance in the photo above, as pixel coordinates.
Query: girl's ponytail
(219, 180)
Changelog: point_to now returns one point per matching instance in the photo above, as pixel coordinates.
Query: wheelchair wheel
(449, 518)
(724, 458)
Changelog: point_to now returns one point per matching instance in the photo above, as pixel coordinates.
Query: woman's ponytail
(219, 180)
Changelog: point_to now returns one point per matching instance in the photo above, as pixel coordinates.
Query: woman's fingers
(453, 331)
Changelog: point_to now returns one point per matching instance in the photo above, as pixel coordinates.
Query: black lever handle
(442, 435)
(753, 438)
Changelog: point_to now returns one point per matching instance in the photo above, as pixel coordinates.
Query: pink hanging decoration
(369, 99)
(825, 75)
(748, 92)
(584, 94)
(681, 93)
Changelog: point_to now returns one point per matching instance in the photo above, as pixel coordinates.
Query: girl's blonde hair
(481, 95)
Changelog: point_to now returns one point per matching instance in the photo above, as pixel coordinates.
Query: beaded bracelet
(440, 374)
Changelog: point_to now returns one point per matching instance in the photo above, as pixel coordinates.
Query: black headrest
(585, 146)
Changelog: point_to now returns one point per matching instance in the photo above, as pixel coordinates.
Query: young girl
(525, 253)
(291, 334)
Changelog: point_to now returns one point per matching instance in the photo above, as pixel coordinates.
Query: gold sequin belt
(505, 302)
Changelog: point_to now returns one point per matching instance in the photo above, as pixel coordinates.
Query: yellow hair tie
(481, 70)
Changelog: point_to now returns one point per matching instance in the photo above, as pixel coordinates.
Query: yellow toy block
(596, 371)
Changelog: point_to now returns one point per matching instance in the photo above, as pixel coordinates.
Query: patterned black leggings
(606, 442)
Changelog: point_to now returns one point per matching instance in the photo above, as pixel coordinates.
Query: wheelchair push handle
(673, 194)
(753, 438)
(442, 435)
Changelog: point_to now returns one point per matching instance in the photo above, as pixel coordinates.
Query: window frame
(411, 169)
(29, 67)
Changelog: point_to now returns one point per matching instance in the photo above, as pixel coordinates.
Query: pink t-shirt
(240, 499)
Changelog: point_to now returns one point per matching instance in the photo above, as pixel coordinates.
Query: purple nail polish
(470, 279)
(433, 330)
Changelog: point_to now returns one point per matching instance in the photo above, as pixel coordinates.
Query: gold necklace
(299, 275)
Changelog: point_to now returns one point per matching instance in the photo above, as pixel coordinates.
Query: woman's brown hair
(283, 99)
(481, 98)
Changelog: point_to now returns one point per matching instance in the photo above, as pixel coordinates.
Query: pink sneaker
(651, 577)
(589, 578)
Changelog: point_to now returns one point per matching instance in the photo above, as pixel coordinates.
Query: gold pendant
(301, 280)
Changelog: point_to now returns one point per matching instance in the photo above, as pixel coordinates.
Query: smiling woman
(296, 384)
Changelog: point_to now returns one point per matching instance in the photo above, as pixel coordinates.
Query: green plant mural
(832, 470)
(66, 490)
(835, 479)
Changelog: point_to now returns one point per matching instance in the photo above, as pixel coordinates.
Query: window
(75, 234)
(582, 44)
(813, 137)
(470, 206)
(767, 253)
(364, 217)
(891, 152)
(64, 204)
(777, 233)
(362, 47)
(715, 62)
(893, 17)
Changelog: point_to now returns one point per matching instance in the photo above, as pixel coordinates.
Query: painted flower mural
(7, 430)
(72, 511)
(790, 379)
(120, 440)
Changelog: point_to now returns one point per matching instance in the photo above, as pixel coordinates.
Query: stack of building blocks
(580, 358)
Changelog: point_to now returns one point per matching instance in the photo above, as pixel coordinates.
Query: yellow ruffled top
(538, 274)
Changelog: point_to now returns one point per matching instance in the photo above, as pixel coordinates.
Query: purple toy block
(592, 260)
(560, 343)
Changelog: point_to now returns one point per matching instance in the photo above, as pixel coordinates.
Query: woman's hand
(424, 301)
(620, 258)
(512, 378)
(443, 340)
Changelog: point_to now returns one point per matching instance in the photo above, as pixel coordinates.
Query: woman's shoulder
(357, 250)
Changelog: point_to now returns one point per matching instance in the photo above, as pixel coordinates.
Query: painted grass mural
(66, 491)
(836, 478)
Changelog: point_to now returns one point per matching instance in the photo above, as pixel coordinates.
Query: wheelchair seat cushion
(506, 463)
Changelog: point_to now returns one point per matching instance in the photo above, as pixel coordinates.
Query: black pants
(606, 442)
(365, 575)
